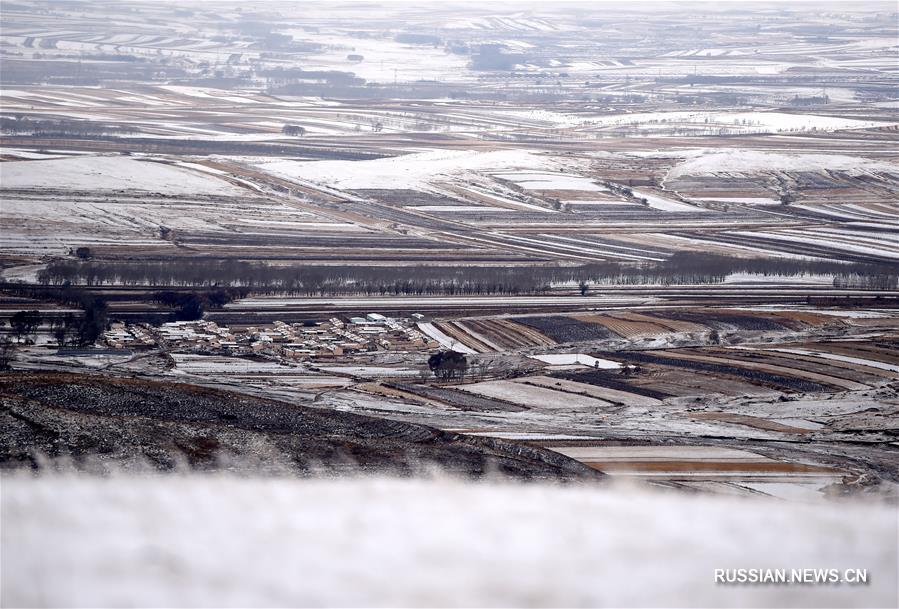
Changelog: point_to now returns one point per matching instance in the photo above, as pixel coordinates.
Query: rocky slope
(96, 419)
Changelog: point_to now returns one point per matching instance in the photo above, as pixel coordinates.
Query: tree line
(48, 127)
(681, 268)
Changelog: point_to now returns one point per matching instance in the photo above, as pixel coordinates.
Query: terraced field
(749, 370)
(625, 327)
(564, 329)
(709, 469)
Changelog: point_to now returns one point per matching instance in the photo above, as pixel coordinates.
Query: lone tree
(583, 287)
(448, 365)
(293, 130)
(84, 253)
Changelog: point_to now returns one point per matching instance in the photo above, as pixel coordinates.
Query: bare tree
(7, 353)
(25, 323)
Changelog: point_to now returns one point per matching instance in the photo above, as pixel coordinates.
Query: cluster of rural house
(334, 337)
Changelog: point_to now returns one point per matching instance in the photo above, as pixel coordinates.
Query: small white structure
(577, 359)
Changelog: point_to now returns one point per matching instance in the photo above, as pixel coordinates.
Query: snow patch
(571, 359)
(752, 161)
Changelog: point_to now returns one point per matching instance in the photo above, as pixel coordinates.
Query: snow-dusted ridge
(408, 171)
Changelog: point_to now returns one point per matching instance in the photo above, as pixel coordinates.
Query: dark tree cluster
(80, 331)
(190, 306)
(69, 329)
(448, 365)
(25, 323)
(494, 57)
(293, 76)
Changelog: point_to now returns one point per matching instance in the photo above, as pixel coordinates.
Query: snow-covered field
(669, 122)
(733, 122)
(202, 541)
(551, 181)
(883, 246)
(366, 371)
(532, 396)
(570, 359)
(752, 161)
(204, 364)
(52, 206)
(404, 172)
(665, 204)
(111, 173)
(384, 59)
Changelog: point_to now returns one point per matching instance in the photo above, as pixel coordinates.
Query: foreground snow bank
(224, 541)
